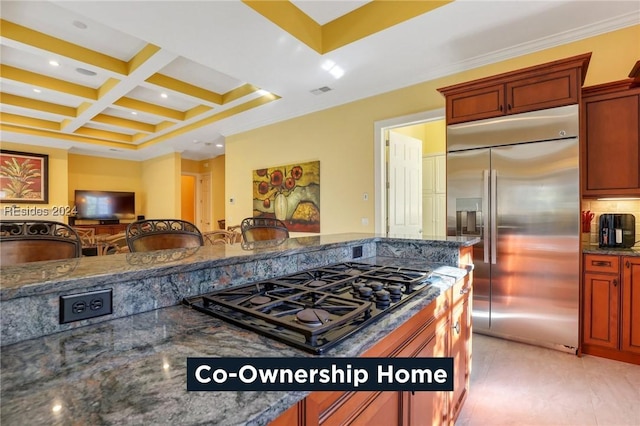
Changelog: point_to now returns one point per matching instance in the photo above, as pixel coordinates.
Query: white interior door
(405, 185)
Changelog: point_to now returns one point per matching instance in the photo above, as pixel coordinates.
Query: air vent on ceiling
(321, 90)
(86, 71)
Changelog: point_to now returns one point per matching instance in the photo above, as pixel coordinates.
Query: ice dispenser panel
(468, 216)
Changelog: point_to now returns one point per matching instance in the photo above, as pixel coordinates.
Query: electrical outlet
(356, 252)
(75, 307)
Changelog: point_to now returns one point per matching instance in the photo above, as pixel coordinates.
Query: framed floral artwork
(290, 193)
(23, 177)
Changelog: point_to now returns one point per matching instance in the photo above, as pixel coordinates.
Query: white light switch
(365, 221)
(365, 196)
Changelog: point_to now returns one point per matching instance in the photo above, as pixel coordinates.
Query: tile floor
(519, 384)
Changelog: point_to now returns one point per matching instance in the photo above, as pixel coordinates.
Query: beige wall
(216, 166)
(342, 138)
(432, 134)
(161, 183)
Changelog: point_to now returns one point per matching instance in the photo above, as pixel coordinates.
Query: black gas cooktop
(317, 308)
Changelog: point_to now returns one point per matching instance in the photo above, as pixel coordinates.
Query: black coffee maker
(617, 230)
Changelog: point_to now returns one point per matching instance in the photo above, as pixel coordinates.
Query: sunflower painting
(289, 193)
(23, 177)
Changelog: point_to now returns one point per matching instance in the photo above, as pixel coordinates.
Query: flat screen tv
(105, 205)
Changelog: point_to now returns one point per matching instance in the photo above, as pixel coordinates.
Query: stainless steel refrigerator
(514, 182)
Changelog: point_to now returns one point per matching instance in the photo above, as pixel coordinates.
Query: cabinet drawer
(602, 263)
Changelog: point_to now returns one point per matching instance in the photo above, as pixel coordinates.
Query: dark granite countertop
(594, 249)
(132, 370)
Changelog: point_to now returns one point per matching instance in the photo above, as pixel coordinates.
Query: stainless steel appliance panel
(514, 182)
(535, 126)
(467, 192)
(535, 272)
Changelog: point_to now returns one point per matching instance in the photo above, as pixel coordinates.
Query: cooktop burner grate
(315, 309)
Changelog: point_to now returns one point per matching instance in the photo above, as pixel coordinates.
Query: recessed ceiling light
(80, 24)
(207, 143)
(196, 141)
(336, 71)
(85, 71)
(54, 63)
(37, 90)
(134, 113)
(328, 64)
(164, 95)
(219, 145)
(262, 92)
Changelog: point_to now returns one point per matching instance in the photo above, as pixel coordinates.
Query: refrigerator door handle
(494, 214)
(485, 208)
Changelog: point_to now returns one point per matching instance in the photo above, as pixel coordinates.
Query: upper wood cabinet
(543, 86)
(611, 139)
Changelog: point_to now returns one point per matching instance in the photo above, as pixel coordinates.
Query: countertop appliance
(617, 230)
(513, 181)
(315, 309)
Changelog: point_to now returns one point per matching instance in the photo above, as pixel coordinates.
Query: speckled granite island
(130, 367)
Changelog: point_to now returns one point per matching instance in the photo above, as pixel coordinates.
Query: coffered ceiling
(138, 79)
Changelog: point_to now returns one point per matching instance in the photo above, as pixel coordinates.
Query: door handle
(485, 210)
(494, 214)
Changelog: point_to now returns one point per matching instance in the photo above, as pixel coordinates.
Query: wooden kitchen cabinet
(611, 307)
(460, 348)
(630, 330)
(441, 329)
(601, 300)
(611, 140)
(543, 86)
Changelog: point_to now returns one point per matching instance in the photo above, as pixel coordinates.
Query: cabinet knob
(627, 264)
(601, 263)
(457, 327)
(501, 108)
(615, 283)
(509, 106)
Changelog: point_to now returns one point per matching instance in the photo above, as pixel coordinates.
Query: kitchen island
(131, 369)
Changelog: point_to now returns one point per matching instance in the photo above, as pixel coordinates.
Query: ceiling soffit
(130, 104)
(362, 22)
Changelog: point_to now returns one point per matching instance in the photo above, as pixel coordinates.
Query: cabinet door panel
(612, 139)
(430, 408)
(460, 335)
(476, 104)
(601, 310)
(367, 408)
(540, 92)
(631, 304)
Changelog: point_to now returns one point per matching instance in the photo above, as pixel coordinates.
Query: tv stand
(109, 222)
(106, 229)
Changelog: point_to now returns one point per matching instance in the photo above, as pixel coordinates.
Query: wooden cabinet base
(441, 329)
(611, 307)
(611, 354)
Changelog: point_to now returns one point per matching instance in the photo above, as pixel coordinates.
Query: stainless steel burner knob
(376, 285)
(382, 295)
(365, 291)
(394, 289)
